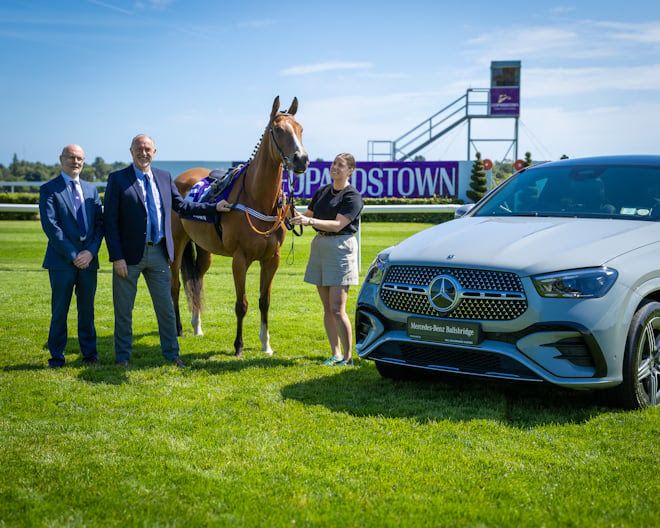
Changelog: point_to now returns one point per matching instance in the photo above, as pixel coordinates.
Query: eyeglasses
(73, 158)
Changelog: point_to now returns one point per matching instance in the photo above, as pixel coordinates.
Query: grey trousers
(156, 271)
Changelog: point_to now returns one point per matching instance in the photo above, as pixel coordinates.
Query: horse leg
(193, 281)
(239, 266)
(202, 265)
(180, 240)
(268, 269)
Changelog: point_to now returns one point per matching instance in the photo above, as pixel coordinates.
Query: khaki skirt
(333, 261)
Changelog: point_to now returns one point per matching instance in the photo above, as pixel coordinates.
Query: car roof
(642, 160)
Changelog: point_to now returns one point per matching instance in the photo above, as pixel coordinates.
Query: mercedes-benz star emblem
(443, 293)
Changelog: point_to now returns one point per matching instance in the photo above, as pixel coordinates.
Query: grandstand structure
(499, 102)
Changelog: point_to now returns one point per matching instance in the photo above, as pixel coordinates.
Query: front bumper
(571, 343)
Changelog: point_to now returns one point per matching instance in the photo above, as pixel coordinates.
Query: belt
(328, 233)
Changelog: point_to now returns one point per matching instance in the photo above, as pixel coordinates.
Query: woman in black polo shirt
(334, 213)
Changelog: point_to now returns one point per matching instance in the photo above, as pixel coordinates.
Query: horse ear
(294, 106)
(276, 107)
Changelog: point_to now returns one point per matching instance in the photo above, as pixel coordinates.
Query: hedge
(19, 198)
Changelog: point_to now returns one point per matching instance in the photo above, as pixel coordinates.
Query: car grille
(405, 289)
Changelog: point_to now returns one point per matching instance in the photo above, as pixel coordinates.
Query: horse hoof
(199, 333)
(268, 351)
(239, 354)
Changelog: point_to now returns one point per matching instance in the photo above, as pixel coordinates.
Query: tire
(641, 361)
(395, 372)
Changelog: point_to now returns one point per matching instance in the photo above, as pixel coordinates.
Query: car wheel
(395, 372)
(641, 361)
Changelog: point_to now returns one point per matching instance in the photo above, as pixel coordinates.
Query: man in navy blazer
(72, 219)
(138, 223)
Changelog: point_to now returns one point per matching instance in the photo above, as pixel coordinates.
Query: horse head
(286, 136)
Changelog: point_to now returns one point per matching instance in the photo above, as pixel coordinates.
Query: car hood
(525, 245)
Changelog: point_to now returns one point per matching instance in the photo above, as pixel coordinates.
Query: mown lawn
(283, 441)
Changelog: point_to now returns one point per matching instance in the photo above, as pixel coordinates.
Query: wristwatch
(311, 221)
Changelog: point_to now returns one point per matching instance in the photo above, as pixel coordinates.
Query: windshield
(616, 191)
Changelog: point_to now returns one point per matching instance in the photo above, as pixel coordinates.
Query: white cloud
(578, 40)
(596, 131)
(645, 33)
(562, 10)
(544, 82)
(529, 41)
(306, 69)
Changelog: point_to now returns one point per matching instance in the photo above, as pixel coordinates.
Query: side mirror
(463, 210)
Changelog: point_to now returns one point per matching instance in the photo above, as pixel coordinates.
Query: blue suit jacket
(59, 223)
(125, 213)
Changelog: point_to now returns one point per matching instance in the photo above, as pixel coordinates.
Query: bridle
(286, 160)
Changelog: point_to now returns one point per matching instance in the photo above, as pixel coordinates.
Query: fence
(421, 208)
(394, 209)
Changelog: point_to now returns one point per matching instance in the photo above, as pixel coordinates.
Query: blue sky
(200, 76)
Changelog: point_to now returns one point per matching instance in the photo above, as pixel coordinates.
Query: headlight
(576, 284)
(376, 270)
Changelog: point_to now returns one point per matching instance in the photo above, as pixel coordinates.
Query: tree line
(35, 171)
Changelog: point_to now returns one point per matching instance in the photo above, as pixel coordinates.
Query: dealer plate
(444, 331)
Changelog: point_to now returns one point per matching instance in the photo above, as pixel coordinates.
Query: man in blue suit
(138, 223)
(72, 219)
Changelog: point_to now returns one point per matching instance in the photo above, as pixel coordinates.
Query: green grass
(283, 441)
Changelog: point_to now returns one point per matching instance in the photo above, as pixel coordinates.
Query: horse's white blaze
(196, 322)
(265, 339)
(299, 146)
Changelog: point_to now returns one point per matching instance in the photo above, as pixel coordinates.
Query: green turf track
(283, 441)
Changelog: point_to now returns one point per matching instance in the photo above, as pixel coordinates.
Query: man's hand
(83, 259)
(120, 268)
(223, 206)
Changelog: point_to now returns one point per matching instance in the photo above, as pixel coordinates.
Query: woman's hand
(301, 220)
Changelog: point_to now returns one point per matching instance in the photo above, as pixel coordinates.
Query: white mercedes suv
(552, 277)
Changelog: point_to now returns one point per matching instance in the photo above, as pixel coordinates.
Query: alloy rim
(648, 373)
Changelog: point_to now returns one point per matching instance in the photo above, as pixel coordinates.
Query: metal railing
(393, 209)
(368, 209)
(474, 103)
(13, 184)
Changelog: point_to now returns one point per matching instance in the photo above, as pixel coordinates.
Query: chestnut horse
(245, 238)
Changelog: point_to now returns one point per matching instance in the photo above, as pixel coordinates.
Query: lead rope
(290, 258)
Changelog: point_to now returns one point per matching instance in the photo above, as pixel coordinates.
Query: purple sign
(401, 179)
(505, 101)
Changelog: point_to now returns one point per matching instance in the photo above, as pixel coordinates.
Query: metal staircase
(473, 104)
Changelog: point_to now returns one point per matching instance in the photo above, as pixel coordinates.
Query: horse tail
(192, 279)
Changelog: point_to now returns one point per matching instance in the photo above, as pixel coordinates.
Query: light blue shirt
(68, 179)
(142, 182)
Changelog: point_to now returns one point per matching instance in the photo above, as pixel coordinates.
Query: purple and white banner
(505, 101)
(401, 179)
